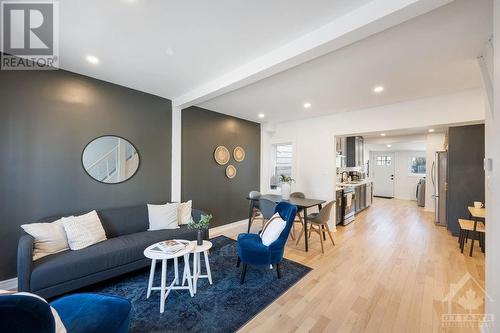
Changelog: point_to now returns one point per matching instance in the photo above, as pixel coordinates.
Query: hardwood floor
(390, 271)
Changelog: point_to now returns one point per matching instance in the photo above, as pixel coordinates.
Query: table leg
(474, 235)
(163, 284)
(250, 214)
(188, 273)
(207, 266)
(195, 270)
(176, 270)
(151, 277)
(320, 207)
(305, 230)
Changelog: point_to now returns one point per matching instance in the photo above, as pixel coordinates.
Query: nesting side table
(197, 250)
(165, 290)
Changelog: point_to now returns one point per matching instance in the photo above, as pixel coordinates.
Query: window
(384, 160)
(282, 160)
(418, 166)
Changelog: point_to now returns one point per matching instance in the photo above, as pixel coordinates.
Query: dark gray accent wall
(203, 180)
(465, 172)
(46, 119)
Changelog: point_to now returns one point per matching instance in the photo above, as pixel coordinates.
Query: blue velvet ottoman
(93, 313)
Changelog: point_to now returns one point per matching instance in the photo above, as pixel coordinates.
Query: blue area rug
(224, 306)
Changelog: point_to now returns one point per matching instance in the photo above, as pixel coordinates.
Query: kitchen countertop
(354, 184)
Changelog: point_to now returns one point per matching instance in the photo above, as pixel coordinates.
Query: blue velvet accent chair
(251, 251)
(93, 313)
(89, 313)
(20, 314)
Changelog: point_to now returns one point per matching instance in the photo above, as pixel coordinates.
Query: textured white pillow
(57, 320)
(84, 230)
(49, 238)
(185, 212)
(272, 229)
(163, 216)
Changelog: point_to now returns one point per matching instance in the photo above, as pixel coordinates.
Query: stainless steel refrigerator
(439, 175)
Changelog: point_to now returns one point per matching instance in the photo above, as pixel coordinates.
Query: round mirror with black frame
(110, 159)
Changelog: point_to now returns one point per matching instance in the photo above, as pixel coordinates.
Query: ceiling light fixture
(92, 59)
(389, 146)
(382, 134)
(432, 130)
(307, 105)
(378, 89)
(261, 115)
(169, 52)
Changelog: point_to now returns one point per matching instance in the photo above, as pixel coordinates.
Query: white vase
(286, 189)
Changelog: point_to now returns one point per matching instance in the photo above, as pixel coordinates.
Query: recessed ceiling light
(169, 52)
(307, 105)
(382, 134)
(378, 89)
(261, 115)
(431, 130)
(92, 59)
(389, 146)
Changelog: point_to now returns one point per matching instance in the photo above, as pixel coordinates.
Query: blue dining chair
(251, 251)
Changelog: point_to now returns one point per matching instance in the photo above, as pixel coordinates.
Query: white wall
(314, 138)
(434, 143)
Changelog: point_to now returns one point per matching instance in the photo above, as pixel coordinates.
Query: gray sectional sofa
(126, 230)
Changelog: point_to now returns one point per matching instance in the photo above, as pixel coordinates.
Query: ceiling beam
(362, 22)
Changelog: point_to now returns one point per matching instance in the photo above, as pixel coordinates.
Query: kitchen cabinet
(364, 196)
(369, 194)
(355, 151)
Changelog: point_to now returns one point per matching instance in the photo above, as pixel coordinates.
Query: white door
(383, 174)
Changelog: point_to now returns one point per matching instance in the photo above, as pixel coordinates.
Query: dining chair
(466, 227)
(318, 223)
(298, 217)
(266, 211)
(256, 214)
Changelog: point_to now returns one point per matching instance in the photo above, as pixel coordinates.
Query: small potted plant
(286, 186)
(200, 226)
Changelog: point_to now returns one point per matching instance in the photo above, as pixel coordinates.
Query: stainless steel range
(348, 205)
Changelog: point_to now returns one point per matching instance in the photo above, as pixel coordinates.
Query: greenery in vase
(201, 224)
(286, 179)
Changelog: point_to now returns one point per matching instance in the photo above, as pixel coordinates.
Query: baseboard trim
(8, 284)
(229, 225)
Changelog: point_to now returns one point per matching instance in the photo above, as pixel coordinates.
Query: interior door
(383, 174)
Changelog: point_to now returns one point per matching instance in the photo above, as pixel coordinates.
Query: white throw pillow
(185, 212)
(57, 320)
(84, 230)
(272, 229)
(163, 216)
(49, 238)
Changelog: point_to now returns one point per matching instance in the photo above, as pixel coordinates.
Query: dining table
(475, 215)
(302, 204)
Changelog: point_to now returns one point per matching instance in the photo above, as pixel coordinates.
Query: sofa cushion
(69, 265)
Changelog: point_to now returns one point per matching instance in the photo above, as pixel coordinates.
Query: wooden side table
(165, 290)
(197, 250)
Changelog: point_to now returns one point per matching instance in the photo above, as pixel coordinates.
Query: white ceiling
(133, 38)
(430, 55)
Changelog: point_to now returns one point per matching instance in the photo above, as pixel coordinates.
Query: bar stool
(467, 226)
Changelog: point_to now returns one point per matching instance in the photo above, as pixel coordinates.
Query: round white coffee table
(165, 290)
(197, 250)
